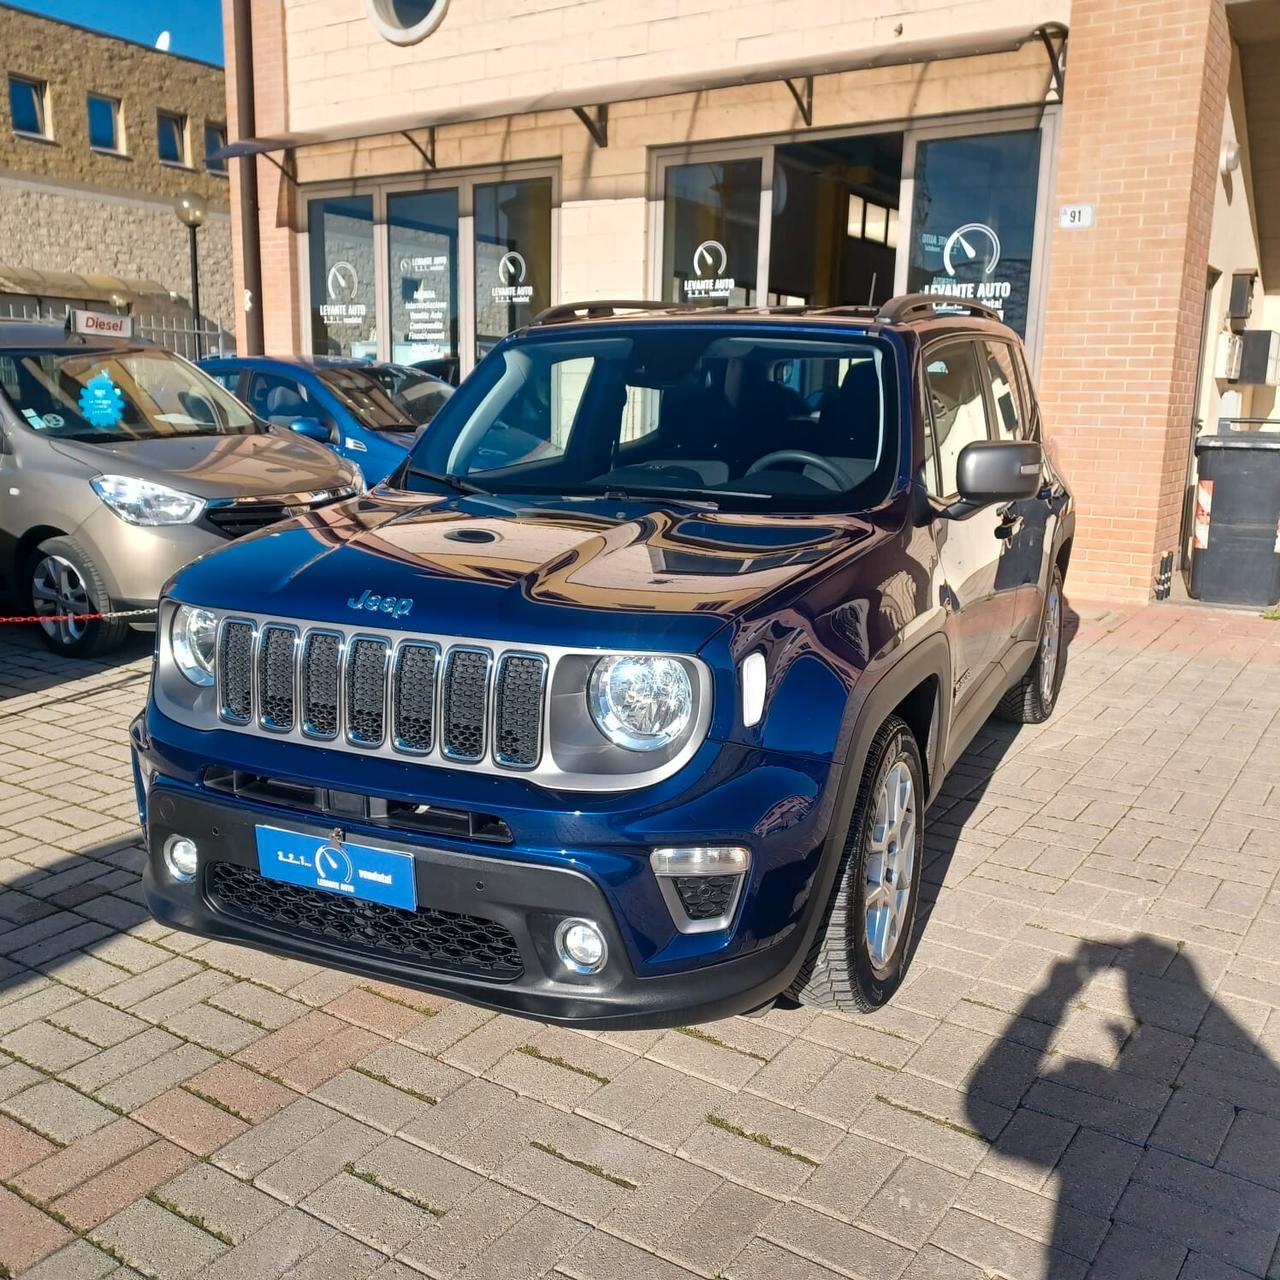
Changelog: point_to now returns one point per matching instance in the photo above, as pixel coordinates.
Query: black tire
(81, 591)
(1032, 699)
(840, 972)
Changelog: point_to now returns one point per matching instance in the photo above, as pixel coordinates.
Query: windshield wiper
(677, 498)
(456, 483)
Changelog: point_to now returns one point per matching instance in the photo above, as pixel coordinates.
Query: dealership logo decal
(969, 257)
(343, 286)
(511, 287)
(973, 243)
(710, 272)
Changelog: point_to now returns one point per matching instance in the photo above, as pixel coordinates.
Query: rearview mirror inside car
(996, 471)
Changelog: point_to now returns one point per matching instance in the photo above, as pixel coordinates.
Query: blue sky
(195, 26)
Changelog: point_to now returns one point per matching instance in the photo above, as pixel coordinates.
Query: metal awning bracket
(286, 168)
(802, 92)
(597, 122)
(428, 153)
(1053, 35)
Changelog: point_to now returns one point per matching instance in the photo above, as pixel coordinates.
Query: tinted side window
(957, 404)
(1028, 395)
(277, 398)
(1006, 392)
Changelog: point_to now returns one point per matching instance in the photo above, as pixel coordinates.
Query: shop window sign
(423, 228)
(711, 232)
(342, 276)
(973, 225)
(512, 256)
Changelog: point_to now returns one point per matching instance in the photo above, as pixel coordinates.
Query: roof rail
(567, 311)
(924, 306)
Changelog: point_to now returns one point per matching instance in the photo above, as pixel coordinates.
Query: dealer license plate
(337, 866)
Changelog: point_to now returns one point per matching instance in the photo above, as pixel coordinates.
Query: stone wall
(67, 207)
(65, 229)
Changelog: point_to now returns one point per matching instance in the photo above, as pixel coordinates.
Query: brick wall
(1146, 91)
(276, 199)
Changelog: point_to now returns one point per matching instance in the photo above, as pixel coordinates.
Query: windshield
(387, 397)
(751, 419)
(143, 393)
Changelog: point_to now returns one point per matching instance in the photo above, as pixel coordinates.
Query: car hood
(260, 465)
(591, 573)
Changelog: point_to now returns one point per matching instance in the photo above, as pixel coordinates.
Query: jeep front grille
(464, 704)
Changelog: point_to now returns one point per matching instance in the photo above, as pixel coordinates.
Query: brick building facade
(69, 203)
(452, 168)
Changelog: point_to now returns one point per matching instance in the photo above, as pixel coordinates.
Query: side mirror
(996, 471)
(312, 428)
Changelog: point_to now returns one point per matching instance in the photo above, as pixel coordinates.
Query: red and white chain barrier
(82, 617)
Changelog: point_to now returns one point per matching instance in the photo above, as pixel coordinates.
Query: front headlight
(640, 702)
(193, 635)
(146, 503)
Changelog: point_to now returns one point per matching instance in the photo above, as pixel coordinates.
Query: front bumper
(526, 902)
(560, 863)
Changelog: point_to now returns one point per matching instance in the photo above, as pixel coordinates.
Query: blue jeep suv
(621, 704)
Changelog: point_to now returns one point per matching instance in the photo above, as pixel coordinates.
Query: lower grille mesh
(443, 941)
(705, 897)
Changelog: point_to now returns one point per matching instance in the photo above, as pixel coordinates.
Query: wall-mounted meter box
(1226, 364)
(1259, 358)
(1240, 301)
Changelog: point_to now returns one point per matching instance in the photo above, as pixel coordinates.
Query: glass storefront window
(343, 306)
(513, 256)
(973, 226)
(711, 233)
(423, 231)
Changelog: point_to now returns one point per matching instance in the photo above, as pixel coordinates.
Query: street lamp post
(191, 210)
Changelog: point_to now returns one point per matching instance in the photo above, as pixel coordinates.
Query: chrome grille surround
(550, 682)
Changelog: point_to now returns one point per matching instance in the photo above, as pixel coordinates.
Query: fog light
(581, 946)
(181, 857)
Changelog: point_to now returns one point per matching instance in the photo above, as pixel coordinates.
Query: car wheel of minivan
(861, 953)
(62, 581)
(1032, 699)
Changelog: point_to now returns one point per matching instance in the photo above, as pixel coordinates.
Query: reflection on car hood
(522, 568)
(275, 462)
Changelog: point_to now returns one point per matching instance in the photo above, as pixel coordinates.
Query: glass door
(341, 252)
(975, 201)
(512, 257)
(422, 227)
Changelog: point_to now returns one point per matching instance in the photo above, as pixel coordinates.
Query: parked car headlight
(641, 702)
(145, 502)
(194, 637)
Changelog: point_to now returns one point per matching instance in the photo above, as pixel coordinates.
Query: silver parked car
(119, 464)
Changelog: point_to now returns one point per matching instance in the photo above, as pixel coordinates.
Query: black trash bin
(1235, 553)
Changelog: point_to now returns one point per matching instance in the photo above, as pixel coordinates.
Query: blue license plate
(336, 866)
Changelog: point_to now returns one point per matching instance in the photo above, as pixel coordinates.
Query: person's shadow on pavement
(1147, 1111)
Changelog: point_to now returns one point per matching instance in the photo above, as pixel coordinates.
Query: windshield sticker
(54, 420)
(34, 418)
(101, 401)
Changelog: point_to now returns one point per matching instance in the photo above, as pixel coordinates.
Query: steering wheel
(805, 459)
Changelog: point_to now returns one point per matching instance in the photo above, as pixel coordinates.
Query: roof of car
(924, 314)
(23, 335)
(304, 362)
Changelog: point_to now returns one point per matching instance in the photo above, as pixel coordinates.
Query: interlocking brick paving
(1078, 1079)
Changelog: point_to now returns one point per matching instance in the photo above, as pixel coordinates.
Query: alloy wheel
(1050, 644)
(56, 591)
(890, 865)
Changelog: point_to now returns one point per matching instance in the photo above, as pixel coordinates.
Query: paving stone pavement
(1078, 1079)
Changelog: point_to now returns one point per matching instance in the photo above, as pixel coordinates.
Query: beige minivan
(121, 462)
